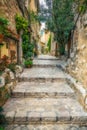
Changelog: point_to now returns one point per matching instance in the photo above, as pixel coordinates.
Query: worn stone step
(47, 127)
(44, 110)
(47, 57)
(48, 89)
(46, 63)
(43, 74)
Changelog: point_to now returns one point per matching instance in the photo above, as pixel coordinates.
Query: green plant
(28, 63)
(2, 128)
(46, 50)
(61, 22)
(21, 23)
(11, 66)
(2, 119)
(27, 46)
(3, 26)
(33, 16)
(49, 44)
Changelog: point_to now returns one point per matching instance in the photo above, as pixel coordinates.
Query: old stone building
(8, 10)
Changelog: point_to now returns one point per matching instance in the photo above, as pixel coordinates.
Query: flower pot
(29, 66)
(1, 38)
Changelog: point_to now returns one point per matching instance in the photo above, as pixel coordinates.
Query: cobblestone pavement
(44, 104)
(46, 127)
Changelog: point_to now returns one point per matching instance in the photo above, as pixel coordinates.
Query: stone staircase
(43, 100)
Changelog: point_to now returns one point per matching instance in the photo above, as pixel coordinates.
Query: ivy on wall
(3, 26)
(23, 24)
(49, 43)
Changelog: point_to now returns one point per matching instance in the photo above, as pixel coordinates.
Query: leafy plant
(1, 128)
(2, 119)
(21, 23)
(28, 63)
(27, 46)
(11, 66)
(33, 16)
(49, 43)
(3, 26)
(61, 22)
(46, 50)
(81, 6)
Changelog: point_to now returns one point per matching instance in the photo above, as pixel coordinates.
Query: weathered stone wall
(78, 62)
(35, 25)
(8, 9)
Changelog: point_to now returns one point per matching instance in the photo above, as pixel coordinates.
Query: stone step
(47, 127)
(48, 89)
(47, 57)
(46, 63)
(43, 74)
(44, 110)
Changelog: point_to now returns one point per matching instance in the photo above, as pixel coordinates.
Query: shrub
(28, 63)
(11, 66)
(2, 119)
(3, 26)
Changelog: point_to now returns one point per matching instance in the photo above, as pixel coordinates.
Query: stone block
(48, 117)
(33, 116)
(10, 116)
(2, 82)
(20, 116)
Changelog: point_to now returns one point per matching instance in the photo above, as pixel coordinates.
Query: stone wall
(8, 81)
(77, 64)
(8, 9)
(35, 25)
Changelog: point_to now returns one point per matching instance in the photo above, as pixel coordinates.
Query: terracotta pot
(1, 38)
(28, 66)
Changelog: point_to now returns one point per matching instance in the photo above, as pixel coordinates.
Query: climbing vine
(33, 17)
(3, 26)
(49, 43)
(23, 24)
(81, 5)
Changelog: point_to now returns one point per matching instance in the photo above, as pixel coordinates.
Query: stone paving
(47, 57)
(46, 127)
(43, 104)
(47, 63)
(48, 89)
(42, 73)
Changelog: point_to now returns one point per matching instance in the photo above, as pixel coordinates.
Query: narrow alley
(43, 64)
(43, 100)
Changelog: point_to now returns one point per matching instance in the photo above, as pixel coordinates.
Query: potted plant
(1, 37)
(28, 63)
